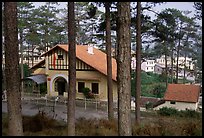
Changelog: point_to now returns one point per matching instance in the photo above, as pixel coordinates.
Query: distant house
(91, 71)
(158, 69)
(181, 97)
(148, 65)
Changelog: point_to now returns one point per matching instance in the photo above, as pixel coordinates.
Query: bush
(149, 105)
(87, 93)
(159, 90)
(43, 88)
(190, 113)
(38, 122)
(166, 111)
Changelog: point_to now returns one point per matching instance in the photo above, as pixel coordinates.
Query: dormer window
(60, 57)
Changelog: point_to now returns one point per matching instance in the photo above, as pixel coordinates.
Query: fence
(45, 100)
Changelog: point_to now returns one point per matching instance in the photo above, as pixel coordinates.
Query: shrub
(38, 122)
(166, 111)
(87, 93)
(190, 113)
(43, 88)
(159, 90)
(149, 105)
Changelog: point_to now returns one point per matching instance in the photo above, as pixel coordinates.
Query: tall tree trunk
(109, 62)
(177, 59)
(72, 70)
(185, 54)
(172, 64)
(123, 69)
(22, 69)
(32, 55)
(138, 65)
(184, 70)
(28, 57)
(178, 50)
(166, 68)
(12, 70)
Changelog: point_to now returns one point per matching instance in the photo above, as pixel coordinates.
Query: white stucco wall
(148, 65)
(178, 105)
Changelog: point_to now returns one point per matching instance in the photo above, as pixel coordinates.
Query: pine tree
(72, 70)
(109, 62)
(123, 69)
(138, 66)
(15, 125)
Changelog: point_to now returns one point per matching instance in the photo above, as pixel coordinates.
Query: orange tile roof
(96, 60)
(182, 92)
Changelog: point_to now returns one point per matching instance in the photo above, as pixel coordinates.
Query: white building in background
(148, 65)
(161, 60)
(181, 62)
(158, 66)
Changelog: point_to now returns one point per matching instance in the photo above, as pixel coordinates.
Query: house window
(60, 57)
(147, 68)
(94, 87)
(81, 85)
(172, 102)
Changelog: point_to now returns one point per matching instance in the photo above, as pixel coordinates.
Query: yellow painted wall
(86, 76)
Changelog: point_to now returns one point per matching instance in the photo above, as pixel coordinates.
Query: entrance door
(60, 86)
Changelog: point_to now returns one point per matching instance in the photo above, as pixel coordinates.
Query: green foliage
(87, 93)
(43, 88)
(149, 105)
(166, 111)
(159, 90)
(27, 72)
(190, 113)
(152, 85)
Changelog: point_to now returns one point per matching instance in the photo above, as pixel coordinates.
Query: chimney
(90, 49)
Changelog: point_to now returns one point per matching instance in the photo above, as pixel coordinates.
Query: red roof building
(181, 97)
(182, 93)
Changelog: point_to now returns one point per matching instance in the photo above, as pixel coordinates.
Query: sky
(183, 6)
(177, 5)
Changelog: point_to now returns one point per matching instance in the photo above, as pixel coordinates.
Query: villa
(91, 71)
